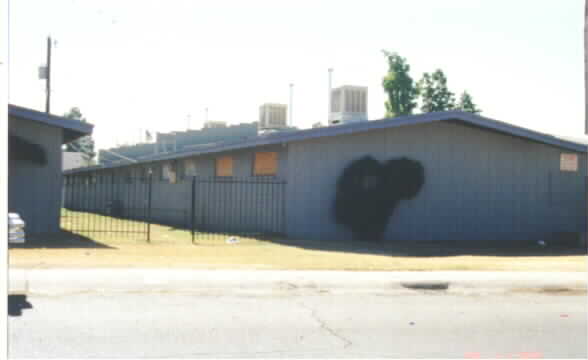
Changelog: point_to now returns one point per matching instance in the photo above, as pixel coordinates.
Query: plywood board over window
(569, 162)
(224, 166)
(265, 163)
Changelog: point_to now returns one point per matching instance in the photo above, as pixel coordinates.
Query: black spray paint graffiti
(368, 192)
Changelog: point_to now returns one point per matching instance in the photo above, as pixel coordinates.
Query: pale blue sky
(148, 64)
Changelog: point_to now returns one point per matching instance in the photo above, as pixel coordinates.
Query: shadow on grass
(17, 303)
(555, 247)
(60, 240)
(561, 244)
(438, 249)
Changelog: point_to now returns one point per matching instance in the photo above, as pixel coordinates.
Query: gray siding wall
(479, 185)
(34, 191)
(205, 164)
(237, 204)
(242, 162)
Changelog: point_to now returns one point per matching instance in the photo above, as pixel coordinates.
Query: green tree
(435, 95)
(400, 87)
(84, 144)
(467, 104)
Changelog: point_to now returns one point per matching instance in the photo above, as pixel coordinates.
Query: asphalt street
(421, 325)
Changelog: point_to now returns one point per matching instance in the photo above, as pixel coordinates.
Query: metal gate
(107, 205)
(245, 207)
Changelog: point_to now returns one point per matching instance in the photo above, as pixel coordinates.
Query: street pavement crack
(324, 326)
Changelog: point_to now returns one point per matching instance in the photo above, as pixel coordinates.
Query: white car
(16, 232)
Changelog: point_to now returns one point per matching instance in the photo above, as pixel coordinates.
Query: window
(224, 166)
(190, 168)
(265, 164)
(169, 172)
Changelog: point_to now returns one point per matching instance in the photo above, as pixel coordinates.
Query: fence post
(284, 185)
(192, 210)
(149, 207)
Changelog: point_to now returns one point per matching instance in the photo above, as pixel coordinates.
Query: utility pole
(584, 241)
(329, 104)
(290, 108)
(48, 78)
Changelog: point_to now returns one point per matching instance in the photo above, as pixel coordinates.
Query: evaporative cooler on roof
(273, 117)
(348, 104)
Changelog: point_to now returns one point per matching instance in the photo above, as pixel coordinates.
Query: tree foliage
(466, 103)
(435, 95)
(399, 86)
(431, 90)
(84, 144)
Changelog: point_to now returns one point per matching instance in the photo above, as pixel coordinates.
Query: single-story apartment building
(35, 165)
(483, 179)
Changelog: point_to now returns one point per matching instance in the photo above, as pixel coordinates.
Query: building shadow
(438, 248)
(60, 240)
(17, 303)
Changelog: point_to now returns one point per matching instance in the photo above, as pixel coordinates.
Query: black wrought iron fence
(253, 207)
(209, 207)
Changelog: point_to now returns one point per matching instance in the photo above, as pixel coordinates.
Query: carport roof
(72, 129)
(358, 127)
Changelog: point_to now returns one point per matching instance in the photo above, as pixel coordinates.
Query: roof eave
(337, 130)
(520, 131)
(73, 129)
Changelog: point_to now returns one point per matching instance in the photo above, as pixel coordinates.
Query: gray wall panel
(34, 191)
(480, 185)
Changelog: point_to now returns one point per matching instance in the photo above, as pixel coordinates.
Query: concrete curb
(67, 281)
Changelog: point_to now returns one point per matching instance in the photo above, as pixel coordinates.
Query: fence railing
(210, 207)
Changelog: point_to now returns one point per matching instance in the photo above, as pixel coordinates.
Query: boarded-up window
(224, 166)
(569, 162)
(266, 163)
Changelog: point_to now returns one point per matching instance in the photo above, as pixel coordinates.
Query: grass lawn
(171, 247)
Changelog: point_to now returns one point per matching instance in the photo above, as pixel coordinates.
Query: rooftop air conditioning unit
(348, 104)
(272, 117)
(215, 124)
